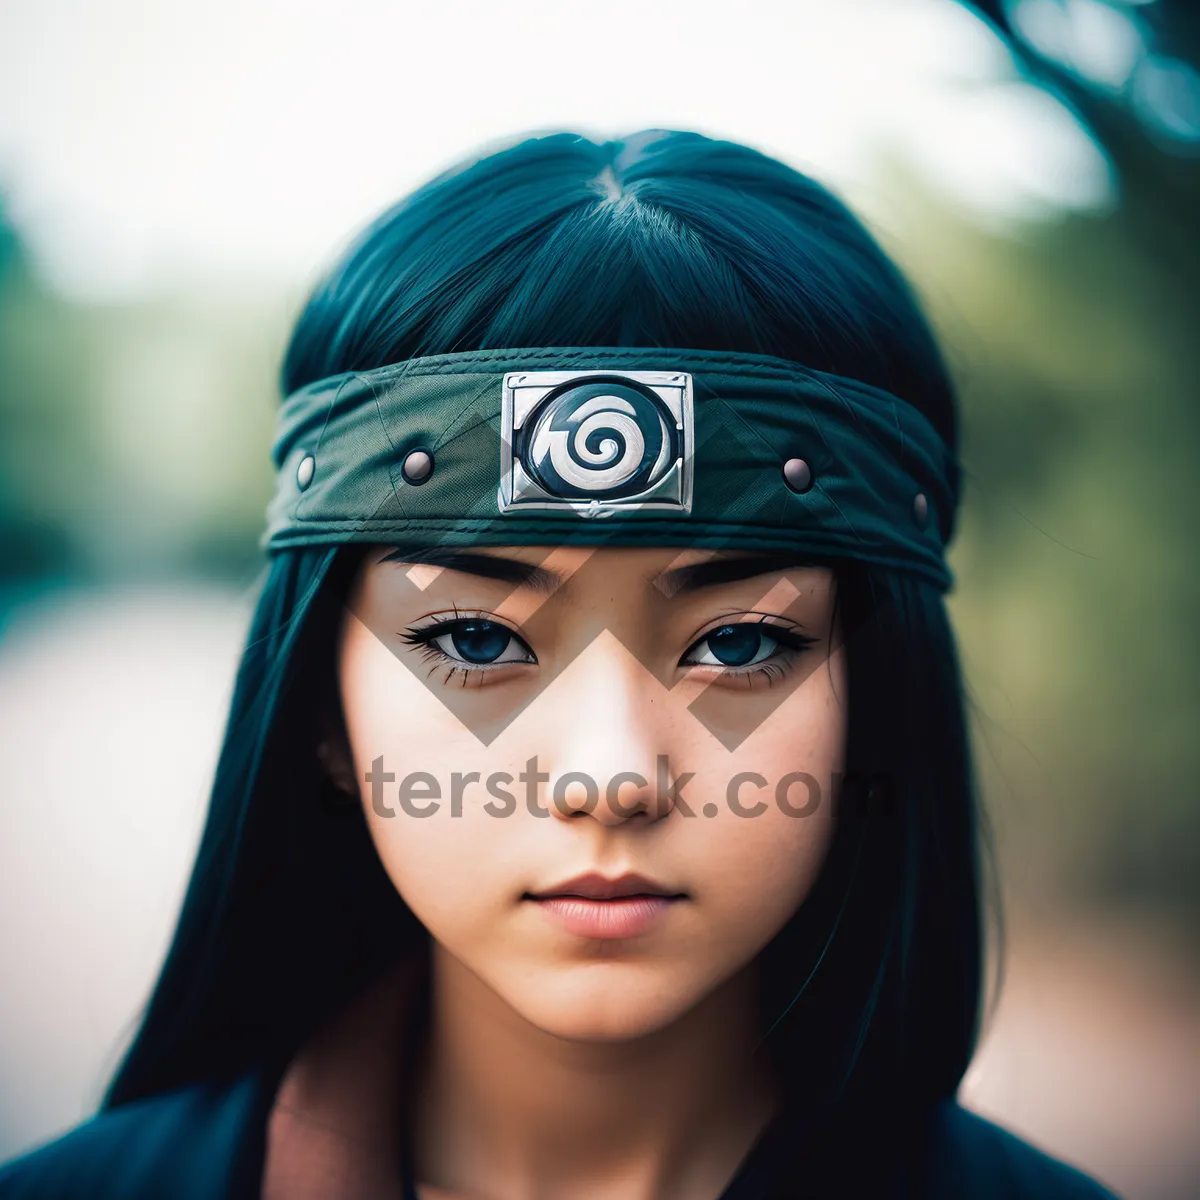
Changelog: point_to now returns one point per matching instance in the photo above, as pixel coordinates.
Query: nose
(610, 757)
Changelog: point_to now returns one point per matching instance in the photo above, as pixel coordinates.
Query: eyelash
(789, 644)
(425, 637)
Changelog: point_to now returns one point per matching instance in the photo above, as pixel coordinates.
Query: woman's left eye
(741, 645)
(473, 642)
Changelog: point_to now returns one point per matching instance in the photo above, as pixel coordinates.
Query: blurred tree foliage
(1077, 354)
(1151, 136)
(134, 437)
(1077, 577)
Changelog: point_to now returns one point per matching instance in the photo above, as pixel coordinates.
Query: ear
(333, 752)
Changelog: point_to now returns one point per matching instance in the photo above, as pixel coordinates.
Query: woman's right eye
(473, 642)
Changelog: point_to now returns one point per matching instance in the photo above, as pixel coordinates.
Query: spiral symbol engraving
(601, 439)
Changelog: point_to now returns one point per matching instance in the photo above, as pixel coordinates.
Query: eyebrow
(678, 581)
(715, 571)
(490, 566)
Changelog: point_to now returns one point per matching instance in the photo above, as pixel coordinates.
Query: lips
(593, 906)
(594, 886)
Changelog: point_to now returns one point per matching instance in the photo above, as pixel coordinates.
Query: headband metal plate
(596, 442)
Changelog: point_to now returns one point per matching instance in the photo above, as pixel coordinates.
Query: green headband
(620, 446)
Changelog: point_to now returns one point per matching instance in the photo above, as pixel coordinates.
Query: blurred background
(173, 177)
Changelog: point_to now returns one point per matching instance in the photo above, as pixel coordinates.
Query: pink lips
(595, 907)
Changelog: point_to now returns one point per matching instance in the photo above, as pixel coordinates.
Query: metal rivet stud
(920, 509)
(304, 472)
(797, 474)
(417, 466)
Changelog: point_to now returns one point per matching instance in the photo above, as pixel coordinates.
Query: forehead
(650, 559)
(665, 571)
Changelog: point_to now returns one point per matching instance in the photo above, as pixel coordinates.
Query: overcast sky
(142, 141)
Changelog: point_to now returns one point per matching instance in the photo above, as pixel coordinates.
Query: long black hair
(872, 991)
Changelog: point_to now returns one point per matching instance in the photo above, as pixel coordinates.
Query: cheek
(401, 736)
(773, 801)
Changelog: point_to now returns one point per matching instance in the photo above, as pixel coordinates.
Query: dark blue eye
(480, 641)
(739, 645)
(744, 644)
(476, 642)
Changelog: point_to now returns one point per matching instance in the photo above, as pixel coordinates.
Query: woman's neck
(501, 1108)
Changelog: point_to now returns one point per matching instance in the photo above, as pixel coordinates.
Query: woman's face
(519, 717)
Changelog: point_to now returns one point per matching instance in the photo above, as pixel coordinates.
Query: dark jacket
(206, 1141)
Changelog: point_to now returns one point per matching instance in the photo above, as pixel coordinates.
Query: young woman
(595, 814)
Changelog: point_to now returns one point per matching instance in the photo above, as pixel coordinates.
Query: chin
(592, 1009)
